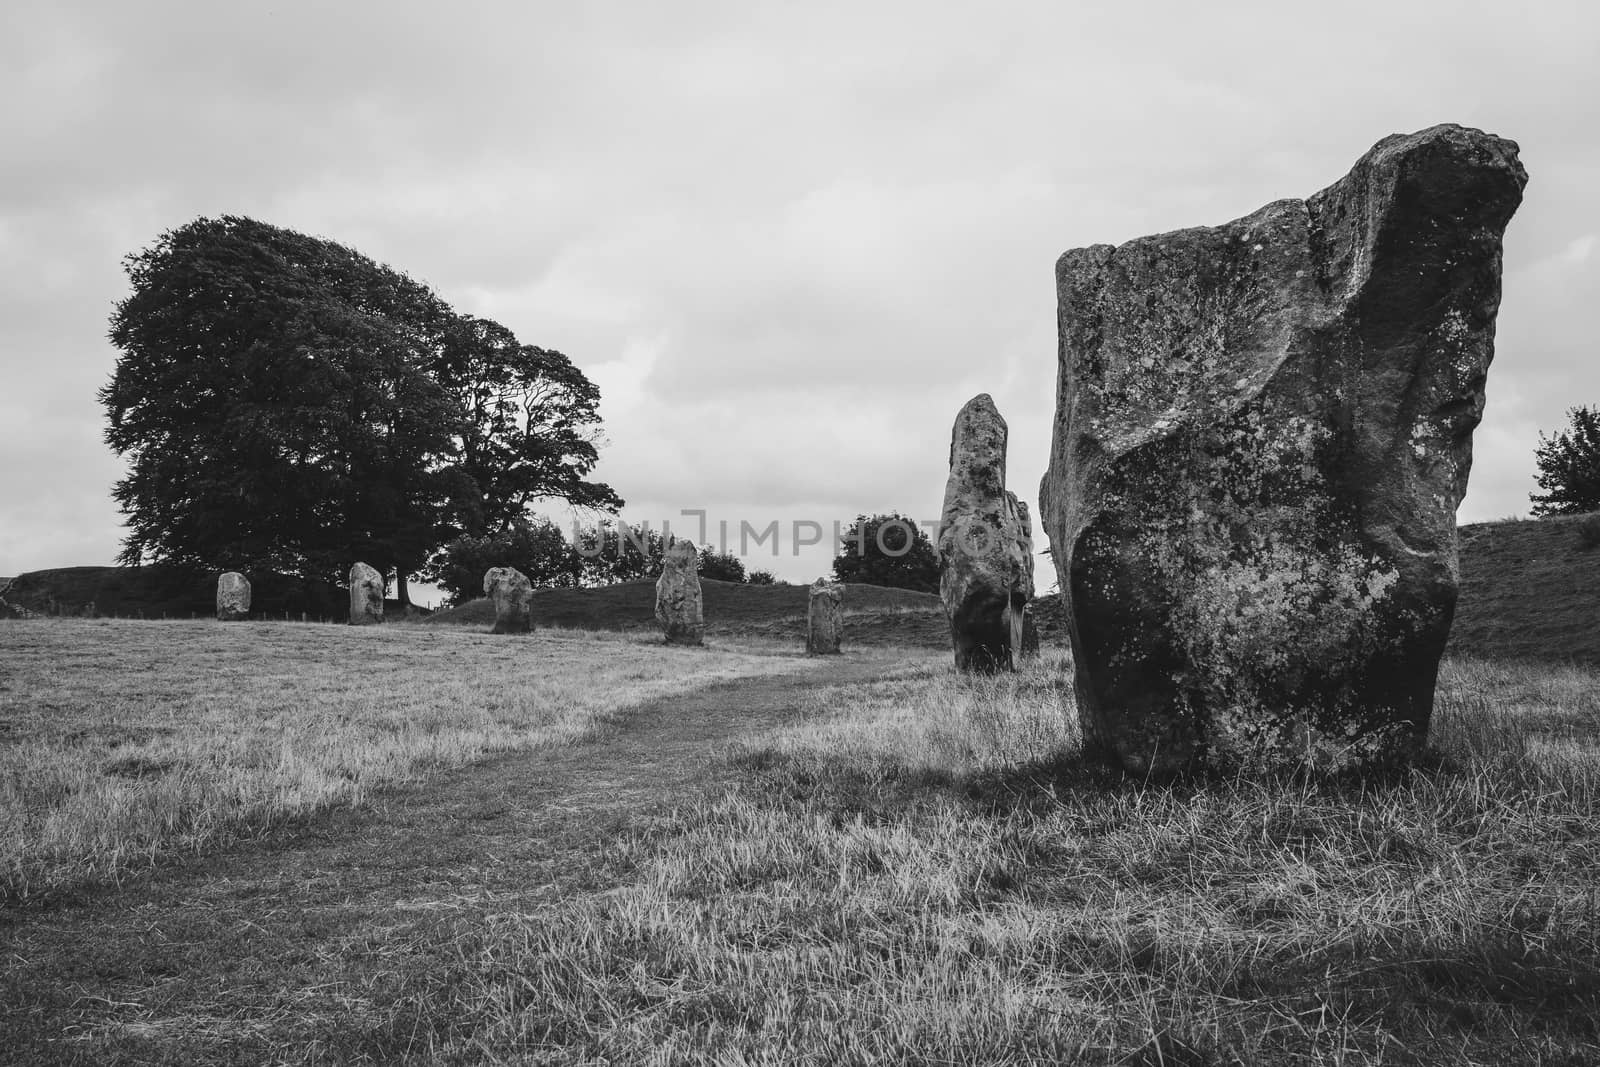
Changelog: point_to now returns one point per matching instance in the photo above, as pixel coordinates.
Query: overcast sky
(787, 241)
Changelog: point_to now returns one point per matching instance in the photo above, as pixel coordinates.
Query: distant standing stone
(825, 619)
(679, 605)
(1030, 632)
(1262, 432)
(512, 594)
(366, 595)
(233, 597)
(985, 544)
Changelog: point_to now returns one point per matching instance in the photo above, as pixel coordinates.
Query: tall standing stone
(512, 595)
(366, 595)
(825, 617)
(679, 606)
(233, 597)
(985, 544)
(1262, 433)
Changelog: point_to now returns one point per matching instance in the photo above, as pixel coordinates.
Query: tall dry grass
(925, 872)
(122, 740)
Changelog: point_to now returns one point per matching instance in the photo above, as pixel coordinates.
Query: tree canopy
(287, 404)
(1569, 466)
(888, 550)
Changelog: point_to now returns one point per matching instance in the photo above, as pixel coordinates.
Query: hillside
(1528, 591)
(157, 592)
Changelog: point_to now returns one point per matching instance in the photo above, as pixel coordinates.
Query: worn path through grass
(321, 940)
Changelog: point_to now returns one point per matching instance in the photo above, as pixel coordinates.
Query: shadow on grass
(864, 785)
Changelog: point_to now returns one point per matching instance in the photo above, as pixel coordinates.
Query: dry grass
(123, 740)
(903, 880)
(919, 870)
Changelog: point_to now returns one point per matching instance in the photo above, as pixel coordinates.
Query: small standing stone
(825, 619)
(233, 597)
(512, 594)
(366, 595)
(679, 607)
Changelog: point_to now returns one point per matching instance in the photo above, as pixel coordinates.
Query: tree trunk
(401, 593)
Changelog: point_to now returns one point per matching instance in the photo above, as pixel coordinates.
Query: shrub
(722, 566)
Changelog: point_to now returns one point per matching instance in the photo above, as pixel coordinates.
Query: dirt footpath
(310, 935)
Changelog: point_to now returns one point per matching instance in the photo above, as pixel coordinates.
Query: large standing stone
(1262, 433)
(366, 595)
(679, 607)
(825, 618)
(233, 597)
(512, 594)
(985, 544)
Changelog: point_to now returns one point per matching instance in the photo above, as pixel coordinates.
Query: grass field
(903, 879)
(121, 740)
(914, 869)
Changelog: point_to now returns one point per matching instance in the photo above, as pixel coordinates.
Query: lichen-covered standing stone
(512, 594)
(679, 606)
(366, 595)
(825, 618)
(1262, 433)
(985, 544)
(233, 597)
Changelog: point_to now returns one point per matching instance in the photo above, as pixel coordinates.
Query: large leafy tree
(1569, 466)
(273, 401)
(531, 426)
(287, 404)
(888, 550)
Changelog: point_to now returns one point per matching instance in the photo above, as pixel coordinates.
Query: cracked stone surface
(1262, 432)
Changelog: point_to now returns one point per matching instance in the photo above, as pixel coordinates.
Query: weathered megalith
(679, 607)
(1262, 433)
(366, 595)
(233, 597)
(985, 544)
(512, 594)
(825, 617)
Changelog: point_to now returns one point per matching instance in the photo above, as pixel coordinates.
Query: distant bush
(761, 578)
(889, 550)
(722, 566)
(1589, 531)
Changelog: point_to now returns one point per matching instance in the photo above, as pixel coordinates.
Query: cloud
(788, 243)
